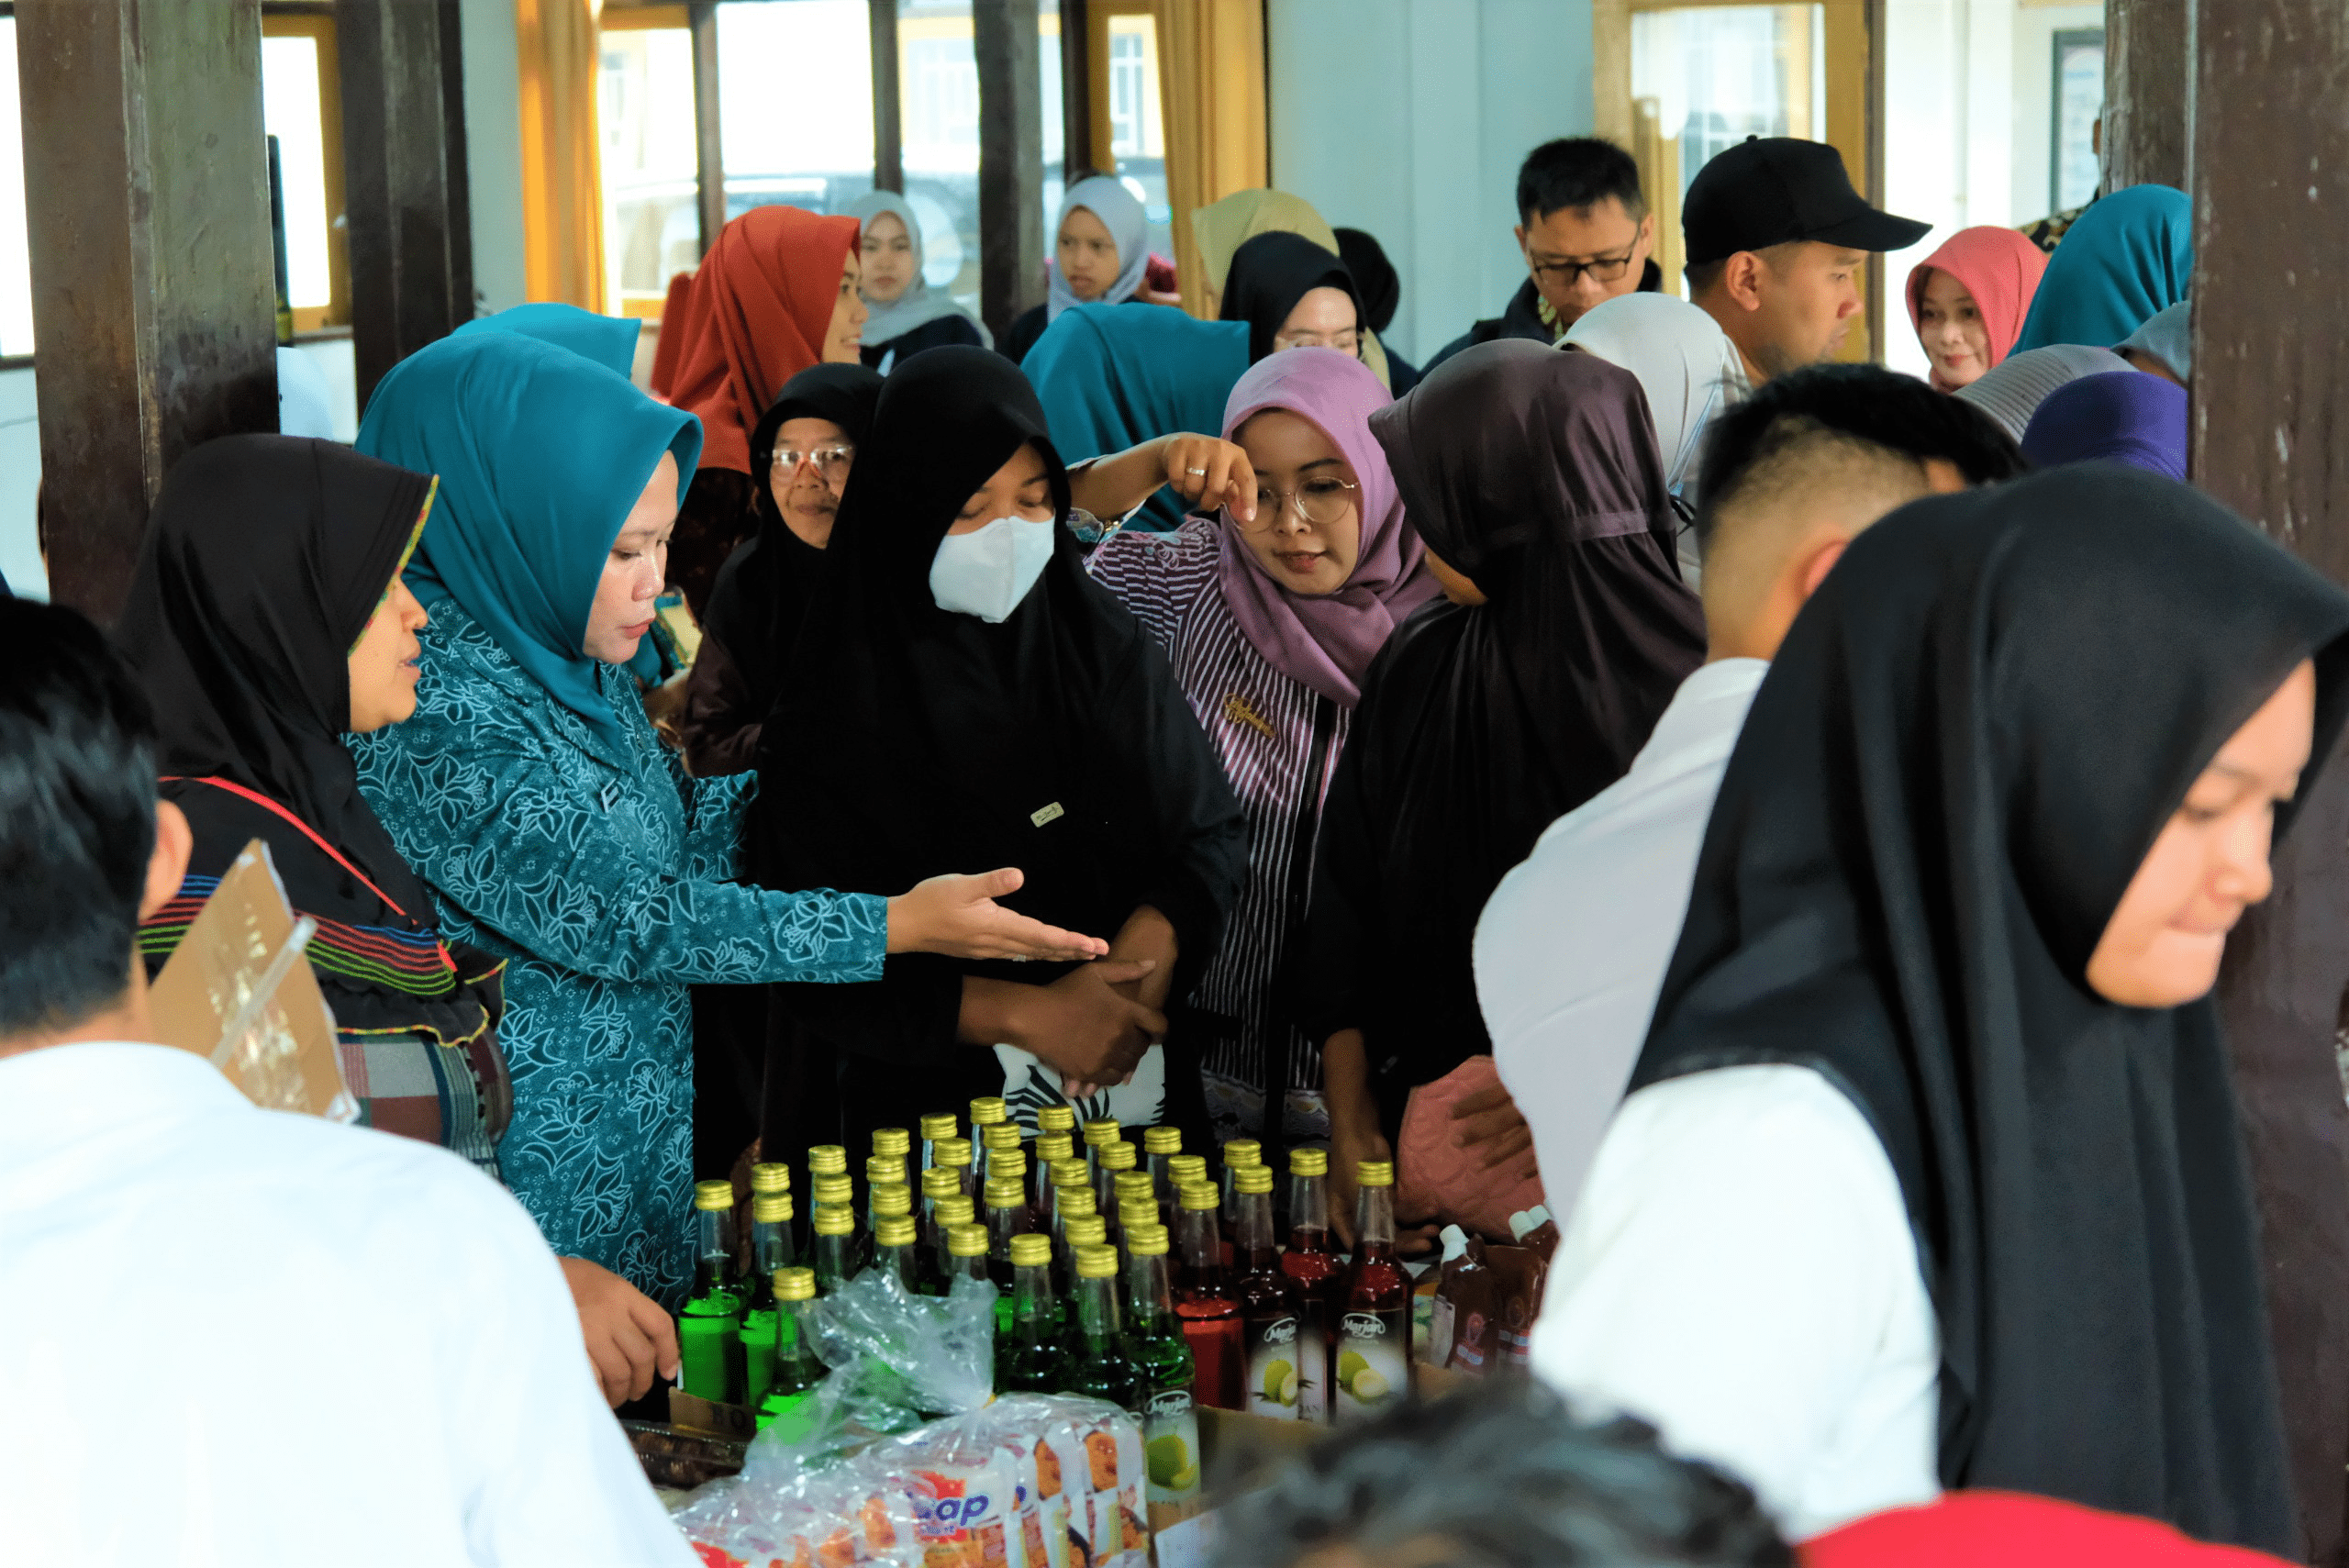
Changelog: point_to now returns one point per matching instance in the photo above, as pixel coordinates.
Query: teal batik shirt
(605, 881)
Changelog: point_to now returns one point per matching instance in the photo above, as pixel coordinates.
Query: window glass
(1137, 128)
(795, 94)
(2078, 100)
(16, 255)
(291, 112)
(644, 111)
(938, 104)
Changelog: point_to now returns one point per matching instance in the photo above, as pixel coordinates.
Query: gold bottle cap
(955, 1210)
(953, 1151)
(714, 1195)
(834, 1220)
(1086, 1230)
(1309, 1161)
(892, 1198)
(1071, 1173)
(1185, 1168)
(1054, 1146)
(1147, 1240)
(940, 1181)
(1117, 1156)
(1136, 1182)
(772, 1176)
(1056, 1118)
(1198, 1196)
(1161, 1141)
(897, 1230)
(1242, 1151)
(989, 1108)
(827, 1160)
(1136, 1211)
(1000, 1135)
(795, 1284)
(937, 1124)
(836, 1190)
(1030, 1250)
(1375, 1174)
(1096, 1263)
(1006, 1192)
(885, 1168)
(1253, 1179)
(968, 1241)
(1075, 1200)
(1011, 1163)
(1103, 1130)
(771, 1208)
(893, 1141)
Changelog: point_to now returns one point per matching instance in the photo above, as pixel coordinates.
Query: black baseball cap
(1770, 190)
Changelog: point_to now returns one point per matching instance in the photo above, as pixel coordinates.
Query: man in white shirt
(228, 1335)
(1572, 950)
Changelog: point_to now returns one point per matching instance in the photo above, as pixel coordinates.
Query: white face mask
(986, 572)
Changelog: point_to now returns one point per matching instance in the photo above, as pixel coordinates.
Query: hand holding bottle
(628, 1337)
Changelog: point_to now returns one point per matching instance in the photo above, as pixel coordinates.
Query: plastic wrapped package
(1098, 1448)
(967, 1493)
(845, 1517)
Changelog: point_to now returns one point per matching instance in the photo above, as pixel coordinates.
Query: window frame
(668, 15)
(315, 21)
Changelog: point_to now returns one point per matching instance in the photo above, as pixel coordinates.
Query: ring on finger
(1200, 472)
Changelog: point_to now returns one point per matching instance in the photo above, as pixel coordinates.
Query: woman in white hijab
(904, 314)
(1690, 372)
(1100, 255)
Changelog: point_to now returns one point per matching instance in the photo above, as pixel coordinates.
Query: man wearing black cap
(1776, 239)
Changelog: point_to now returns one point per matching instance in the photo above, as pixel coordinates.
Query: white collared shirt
(244, 1337)
(1572, 946)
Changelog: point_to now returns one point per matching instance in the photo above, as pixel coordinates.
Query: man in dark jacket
(1587, 234)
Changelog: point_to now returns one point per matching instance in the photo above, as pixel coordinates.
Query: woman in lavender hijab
(1270, 625)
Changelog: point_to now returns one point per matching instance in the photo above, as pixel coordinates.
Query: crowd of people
(1637, 764)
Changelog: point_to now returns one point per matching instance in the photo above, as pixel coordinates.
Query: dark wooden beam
(710, 141)
(403, 167)
(2270, 422)
(1076, 93)
(153, 299)
(889, 123)
(1011, 159)
(2148, 73)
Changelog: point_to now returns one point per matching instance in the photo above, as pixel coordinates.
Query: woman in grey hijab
(905, 316)
(2011, 391)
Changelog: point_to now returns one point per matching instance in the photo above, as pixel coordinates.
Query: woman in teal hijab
(2128, 257)
(1112, 377)
(549, 820)
(609, 340)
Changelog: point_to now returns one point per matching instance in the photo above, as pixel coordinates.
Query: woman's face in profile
(2163, 945)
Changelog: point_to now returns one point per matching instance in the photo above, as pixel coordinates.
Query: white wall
(493, 151)
(1408, 118)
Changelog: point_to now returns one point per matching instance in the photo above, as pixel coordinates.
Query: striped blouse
(1278, 741)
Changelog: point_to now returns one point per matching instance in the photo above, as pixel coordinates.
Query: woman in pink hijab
(1967, 301)
(1270, 625)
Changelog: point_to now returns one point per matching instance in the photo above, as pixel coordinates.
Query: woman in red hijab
(1967, 301)
(2010, 1529)
(776, 294)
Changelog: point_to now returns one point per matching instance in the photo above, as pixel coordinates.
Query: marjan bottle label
(1169, 1441)
(1374, 1360)
(1275, 1378)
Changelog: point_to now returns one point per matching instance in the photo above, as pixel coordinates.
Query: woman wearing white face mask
(963, 685)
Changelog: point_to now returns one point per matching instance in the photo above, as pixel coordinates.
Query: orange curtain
(1211, 95)
(562, 185)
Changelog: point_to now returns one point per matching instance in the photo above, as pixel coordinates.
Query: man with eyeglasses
(1585, 232)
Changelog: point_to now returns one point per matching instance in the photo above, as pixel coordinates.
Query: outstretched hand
(957, 916)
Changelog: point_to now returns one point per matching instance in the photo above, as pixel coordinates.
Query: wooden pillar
(709, 143)
(403, 167)
(1077, 151)
(1011, 161)
(154, 302)
(889, 123)
(2148, 75)
(2270, 422)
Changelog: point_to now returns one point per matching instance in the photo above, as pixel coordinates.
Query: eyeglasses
(1318, 502)
(1563, 274)
(1346, 342)
(832, 462)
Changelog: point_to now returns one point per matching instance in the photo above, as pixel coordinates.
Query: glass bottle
(1181, 1170)
(986, 1112)
(1204, 1302)
(1068, 1204)
(1050, 1149)
(1081, 1230)
(997, 1143)
(1031, 1357)
(1109, 1158)
(796, 1370)
(774, 1176)
(1135, 1209)
(1006, 1217)
(1271, 1312)
(833, 1192)
(1160, 1144)
(936, 1126)
(1170, 1426)
(891, 1200)
(1100, 1367)
(1238, 1155)
(709, 1330)
(1374, 1337)
(895, 1252)
(1134, 1187)
(771, 1249)
(937, 1182)
(1309, 1262)
(881, 1170)
(954, 1154)
(1098, 1133)
(827, 1160)
(953, 1210)
(832, 1253)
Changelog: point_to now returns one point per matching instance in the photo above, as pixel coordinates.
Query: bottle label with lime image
(1374, 1360)
(1170, 1442)
(1275, 1379)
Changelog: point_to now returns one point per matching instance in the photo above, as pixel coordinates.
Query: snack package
(1098, 1448)
(1016, 1425)
(966, 1491)
(843, 1518)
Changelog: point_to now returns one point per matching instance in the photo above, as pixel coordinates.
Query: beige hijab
(1220, 228)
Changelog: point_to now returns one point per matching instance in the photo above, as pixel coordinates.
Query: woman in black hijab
(762, 591)
(1380, 292)
(1969, 877)
(1035, 720)
(1533, 480)
(1293, 294)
